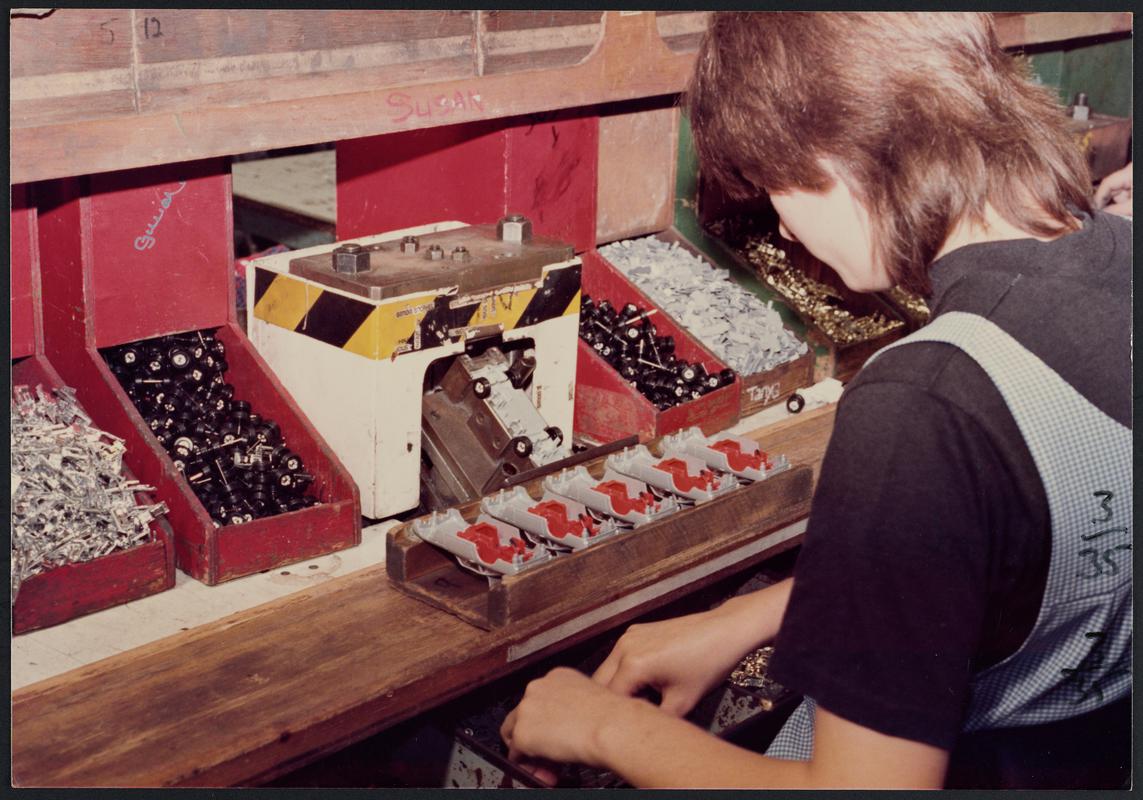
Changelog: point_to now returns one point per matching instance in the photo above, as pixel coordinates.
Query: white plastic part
(692, 442)
(519, 508)
(577, 483)
(698, 483)
(444, 529)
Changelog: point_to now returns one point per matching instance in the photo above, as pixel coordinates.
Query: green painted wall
(1102, 70)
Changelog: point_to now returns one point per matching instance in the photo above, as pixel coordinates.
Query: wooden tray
(607, 570)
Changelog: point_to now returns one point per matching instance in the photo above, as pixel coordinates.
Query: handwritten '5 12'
(147, 240)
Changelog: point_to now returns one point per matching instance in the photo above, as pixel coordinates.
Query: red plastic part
(488, 548)
(608, 408)
(621, 502)
(556, 515)
(681, 475)
(76, 308)
(72, 590)
(27, 322)
(738, 460)
(543, 167)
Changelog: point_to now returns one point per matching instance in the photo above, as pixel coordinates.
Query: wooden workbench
(266, 690)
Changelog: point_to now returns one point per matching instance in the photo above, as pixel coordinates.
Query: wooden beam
(630, 60)
(1023, 29)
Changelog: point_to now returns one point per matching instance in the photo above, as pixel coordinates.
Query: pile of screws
(912, 304)
(70, 500)
(818, 301)
(630, 343)
(734, 324)
(751, 673)
(234, 460)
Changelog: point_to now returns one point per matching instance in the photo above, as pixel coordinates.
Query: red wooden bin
(607, 407)
(70, 590)
(144, 253)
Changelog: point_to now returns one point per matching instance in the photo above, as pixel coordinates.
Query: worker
(966, 565)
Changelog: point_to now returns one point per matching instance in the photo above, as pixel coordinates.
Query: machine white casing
(369, 410)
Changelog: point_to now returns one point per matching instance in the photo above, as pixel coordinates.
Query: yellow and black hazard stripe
(381, 330)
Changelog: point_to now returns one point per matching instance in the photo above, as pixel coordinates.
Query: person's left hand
(560, 718)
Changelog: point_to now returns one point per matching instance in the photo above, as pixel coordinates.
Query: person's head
(876, 134)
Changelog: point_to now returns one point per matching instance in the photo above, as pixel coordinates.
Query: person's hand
(1114, 192)
(681, 658)
(559, 720)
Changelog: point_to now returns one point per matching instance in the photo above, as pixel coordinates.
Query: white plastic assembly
(726, 452)
(444, 530)
(677, 473)
(619, 496)
(559, 521)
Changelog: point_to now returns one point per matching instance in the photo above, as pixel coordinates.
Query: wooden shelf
(95, 90)
(265, 691)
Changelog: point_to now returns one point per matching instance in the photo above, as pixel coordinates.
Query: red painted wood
(27, 331)
(154, 278)
(541, 165)
(398, 180)
(607, 407)
(72, 590)
(91, 302)
(552, 161)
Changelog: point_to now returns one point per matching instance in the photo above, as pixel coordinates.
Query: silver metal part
(514, 228)
(350, 259)
(70, 501)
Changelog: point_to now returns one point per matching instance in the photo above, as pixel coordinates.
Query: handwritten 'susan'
(147, 240)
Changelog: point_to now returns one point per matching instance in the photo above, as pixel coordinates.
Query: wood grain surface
(267, 690)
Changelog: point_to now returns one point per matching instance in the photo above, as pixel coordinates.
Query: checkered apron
(1077, 657)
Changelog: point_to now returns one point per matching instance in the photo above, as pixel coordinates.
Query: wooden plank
(630, 61)
(636, 186)
(72, 64)
(303, 184)
(193, 58)
(682, 31)
(1022, 29)
(514, 41)
(270, 689)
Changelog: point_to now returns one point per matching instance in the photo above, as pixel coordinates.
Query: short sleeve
(891, 585)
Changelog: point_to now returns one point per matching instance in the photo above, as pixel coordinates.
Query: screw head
(436, 252)
(460, 253)
(410, 244)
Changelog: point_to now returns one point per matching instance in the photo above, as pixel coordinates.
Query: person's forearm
(754, 619)
(649, 749)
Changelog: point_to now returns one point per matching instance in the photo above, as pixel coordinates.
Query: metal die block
(619, 496)
(488, 546)
(726, 452)
(679, 474)
(357, 365)
(559, 521)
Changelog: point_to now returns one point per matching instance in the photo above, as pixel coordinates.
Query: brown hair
(924, 114)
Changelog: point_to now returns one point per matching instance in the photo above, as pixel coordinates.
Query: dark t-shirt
(928, 543)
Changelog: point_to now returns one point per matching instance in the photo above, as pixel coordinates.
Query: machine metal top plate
(394, 273)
